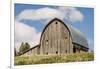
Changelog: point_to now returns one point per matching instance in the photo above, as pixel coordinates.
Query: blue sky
(86, 25)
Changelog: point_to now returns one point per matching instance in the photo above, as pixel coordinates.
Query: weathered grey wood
(59, 39)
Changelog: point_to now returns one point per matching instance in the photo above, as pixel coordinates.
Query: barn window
(56, 52)
(47, 53)
(74, 50)
(65, 51)
(56, 25)
(56, 22)
(46, 41)
(66, 37)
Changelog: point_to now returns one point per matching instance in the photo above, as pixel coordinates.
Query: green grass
(45, 59)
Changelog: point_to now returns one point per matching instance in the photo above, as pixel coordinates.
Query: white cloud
(25, 33)
(70, 13)
(42, 13)
(75, 15)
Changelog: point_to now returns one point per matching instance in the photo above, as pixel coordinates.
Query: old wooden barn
(59, 38)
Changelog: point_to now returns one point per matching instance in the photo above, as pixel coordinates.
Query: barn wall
(56, 39)
(66, 41)
(78, 48)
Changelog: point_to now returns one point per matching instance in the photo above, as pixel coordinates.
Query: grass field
(45, 59)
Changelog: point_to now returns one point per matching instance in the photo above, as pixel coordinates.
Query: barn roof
(77, 36)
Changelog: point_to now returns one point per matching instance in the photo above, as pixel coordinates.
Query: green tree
(27, 46)
(24, 47)
(21, 49)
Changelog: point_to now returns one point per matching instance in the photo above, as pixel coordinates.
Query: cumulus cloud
(39, 14)
(72, 14)
(25, 33)
(69, 13)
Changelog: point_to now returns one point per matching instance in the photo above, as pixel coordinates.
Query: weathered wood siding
(56, 39)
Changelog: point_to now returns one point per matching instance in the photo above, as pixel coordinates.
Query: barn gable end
(56, 38)
(60, 38)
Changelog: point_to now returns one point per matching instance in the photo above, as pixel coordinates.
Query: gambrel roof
(77, 36)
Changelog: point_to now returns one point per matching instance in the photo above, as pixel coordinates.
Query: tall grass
(45, 59)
